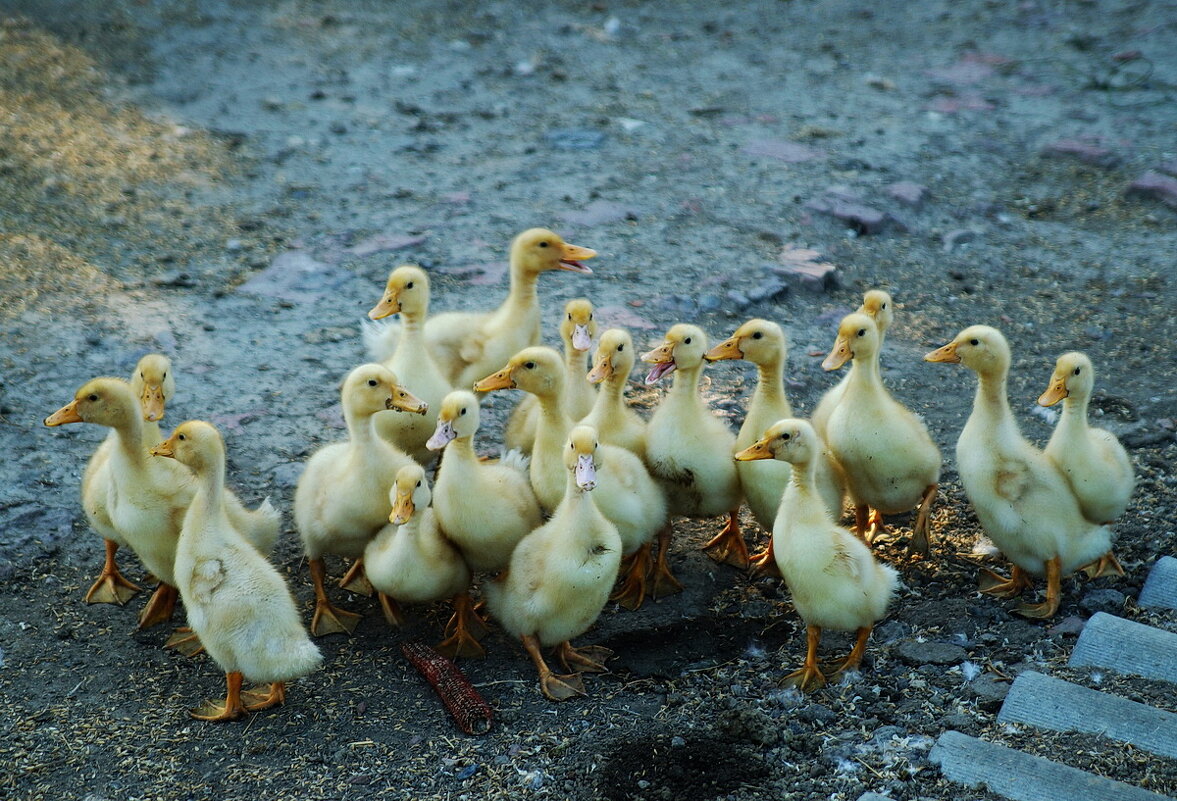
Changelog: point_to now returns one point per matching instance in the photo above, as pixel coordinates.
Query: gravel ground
(168, 171)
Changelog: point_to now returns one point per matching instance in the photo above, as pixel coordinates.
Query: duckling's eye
(418, 483)
(463, 411)
(590, 315)
(862, 332)
(143, 375)
(1077, 371)
(883, 307)
(543, 244)
(409, 285)
(758, 335)
(687, 341)
(182, 438)
(165, 374)
(569, 315)
(93, 397)
(621, 347)
(372, 382)
(786, 436)
(974, 342)
(530, 365)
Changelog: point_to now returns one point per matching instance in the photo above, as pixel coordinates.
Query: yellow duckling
(341, 501)
(577, 330)
(877, 304)
(468, 345)
(630, 498)
(616, 423)
(689, 449)
(407, 294)
(485, 508)
(411, 560)
(832, 576)
(1020, 495)
(890, 462)
(560, 575)
(763, 343)
(237, 603)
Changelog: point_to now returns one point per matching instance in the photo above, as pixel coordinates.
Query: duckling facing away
(560, 576)
(341, 501)
(616, 423)
(237, 603)
(1020, 495)
(888, 457)
(832, 576)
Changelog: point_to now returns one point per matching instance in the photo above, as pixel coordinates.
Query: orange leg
(852, 661)
(877, 527)
(230, 709)
(810, 676)
(160, 606)
(1106, 565)
(111, 587)
(728, 545)
(465, 629)
(185, 641)
(355, 580)
(328, 619)
(590, 658)
(553, 686)
(763, 563)
(256, 698)
(391, 609)
(1054, 579)
(1001, 587)
(634, 568)
(862, 521)
(921, 532)
(664, 581)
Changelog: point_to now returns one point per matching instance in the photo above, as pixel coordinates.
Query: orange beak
(402, 510)
(946, 354)
(728, 349)
(165, 448)
(757, 450)
(1054, 393)
(66, 414)
(572, 257)
(152, 402)
(839, 355)
(602, 371)
(404, 401)
(389, 305)
(503, 379)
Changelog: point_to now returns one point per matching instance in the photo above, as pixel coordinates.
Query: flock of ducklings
(578, 511)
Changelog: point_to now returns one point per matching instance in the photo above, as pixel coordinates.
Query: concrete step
(1125, 646)
(1049, 703)
(1022, 777)
(1160, 589)
(873, 797)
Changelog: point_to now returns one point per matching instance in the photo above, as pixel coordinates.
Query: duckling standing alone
(237, 603)
(876, 304)
(832, 576)
(689, 449)
(1020, 495)
(616, 423)
(1095, 463)
(889, 459)
(407, 294)
(560, 575)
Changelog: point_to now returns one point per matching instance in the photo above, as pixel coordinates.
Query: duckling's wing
(1013, 479)
(207, 576)
(380, 337)
(842, 561)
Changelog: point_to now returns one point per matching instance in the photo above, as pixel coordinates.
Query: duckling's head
(789, 440)
(1074, 377)
(196, 444)
(154, 385)
(457, 417)
(105, 401)
(538, 250)
(980, 348)
(581, 456)
(614, 356)
(683, 349)
(878, 304)
(407, 291)
(372, 388)
(858, 338)
(409, 493)
(759, 341)
(537, 370)
(578, 328)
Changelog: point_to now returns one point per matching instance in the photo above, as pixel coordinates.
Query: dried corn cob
(468, 709)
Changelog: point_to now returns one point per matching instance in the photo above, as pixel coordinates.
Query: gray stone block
(1125, 646)
(1160, 589)
(1022, 777)
(1058, 705)
(873, 797)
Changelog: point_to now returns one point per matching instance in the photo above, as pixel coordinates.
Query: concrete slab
(873, 797)
(1160, 589)
(1125, 646)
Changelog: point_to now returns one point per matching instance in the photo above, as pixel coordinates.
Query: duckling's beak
(503, 379)
(662, 357)
(404, 401)
(1055, 392)
(442, 436)
(165, 448)
(602, 371)
(572, 256)
(757, 450)
(66, 414)
(152, 401)
(581, 339)
(839, 355)
(586, 472)
(390, 304)
(946, 354)
(402, 509)
(728, 349)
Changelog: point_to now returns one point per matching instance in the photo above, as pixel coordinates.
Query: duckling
(560, 575)
(341, 499)
(763, 343)
(577, 330)
(630, 498)
(616, 423)
(832, 576)
(237, 603)
(889, 459)
(407, 294)
(1021, 497)
(1093, 460)
(689, 449)
(468, 345)
(411, 560)
(877, 304)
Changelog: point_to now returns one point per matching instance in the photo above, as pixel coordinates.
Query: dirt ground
(230, 183)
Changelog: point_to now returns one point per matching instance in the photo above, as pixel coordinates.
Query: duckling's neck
(684, 387)
(1074, 416)
(770, 385)
(804, 500)
(581, 512)
(130, 433)
(865, 372)
(612, 394)
(462, 449)
(412, 323)
(575, 361)
(360, 427)
(522, 294)
(991, 402)
(210, 484)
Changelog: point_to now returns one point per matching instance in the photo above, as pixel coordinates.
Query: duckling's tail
(515, 458)
(267, 522)
(380, 338)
